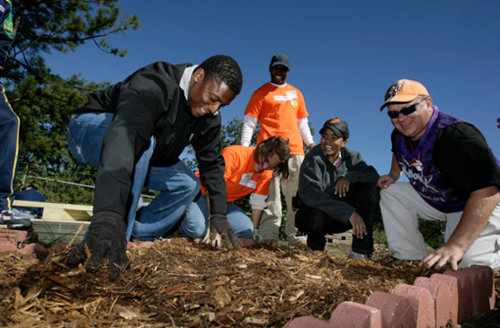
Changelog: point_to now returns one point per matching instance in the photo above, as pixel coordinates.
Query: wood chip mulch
(180, 284)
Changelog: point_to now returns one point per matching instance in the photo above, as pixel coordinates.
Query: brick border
(429, 302)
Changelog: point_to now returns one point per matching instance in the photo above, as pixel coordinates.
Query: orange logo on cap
(335, 120)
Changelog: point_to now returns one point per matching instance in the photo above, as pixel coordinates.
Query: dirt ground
(180, 284)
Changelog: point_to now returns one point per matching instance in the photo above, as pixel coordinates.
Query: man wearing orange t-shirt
(249, 170)
(280, 109)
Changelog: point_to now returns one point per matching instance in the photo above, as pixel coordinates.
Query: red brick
(484, 288)
(131, 244)
(465, 296)
(452, 283)
(351, 314)
(14, 236)
(146, 244)
(441, 294)
(307, 322)
(394, 309)
(59, 247)
(32, 248)
(7, 246)
(247, 242)
(422, 304)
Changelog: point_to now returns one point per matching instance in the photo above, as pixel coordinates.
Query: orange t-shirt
(278, 110)
(241, 179)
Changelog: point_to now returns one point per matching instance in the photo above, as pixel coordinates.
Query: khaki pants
(271, 218)
(401, 207)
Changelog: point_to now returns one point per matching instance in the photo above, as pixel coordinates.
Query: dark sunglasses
(405, 111)
(281, 69)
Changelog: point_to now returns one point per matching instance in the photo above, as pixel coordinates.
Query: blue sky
(344, 55)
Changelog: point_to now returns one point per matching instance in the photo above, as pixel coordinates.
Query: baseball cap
(280, 59)
(338, 127)
(403, 91)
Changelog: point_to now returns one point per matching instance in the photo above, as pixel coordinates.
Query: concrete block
(422, 304)
(465, 294)
(452, 283)
(307, 322)
(352, 314)
(484, 288)
(394, 308)
(442, 295)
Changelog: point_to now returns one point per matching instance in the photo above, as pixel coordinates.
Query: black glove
(220, 225)
(106, 236)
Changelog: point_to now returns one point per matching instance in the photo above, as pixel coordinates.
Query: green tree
(41, 26)
(44, 101)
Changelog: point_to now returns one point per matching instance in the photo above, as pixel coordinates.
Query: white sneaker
(357, 256)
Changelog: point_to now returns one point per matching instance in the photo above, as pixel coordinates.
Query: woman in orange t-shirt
(249, 170)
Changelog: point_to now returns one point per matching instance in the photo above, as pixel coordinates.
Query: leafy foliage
(45, 102)
(41, 26)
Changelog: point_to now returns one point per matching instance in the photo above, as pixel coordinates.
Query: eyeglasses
(282, 69)
(405, 111)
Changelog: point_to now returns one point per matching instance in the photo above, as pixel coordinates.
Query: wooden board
(59, 212)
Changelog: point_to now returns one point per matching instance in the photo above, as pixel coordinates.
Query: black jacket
(149, 103)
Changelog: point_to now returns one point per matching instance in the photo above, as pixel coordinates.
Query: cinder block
(352, 314)
(307, 322)
(394, 308)
(484, 288)
(465, 294)
(441, 295)
(452, 283)
(422, 304)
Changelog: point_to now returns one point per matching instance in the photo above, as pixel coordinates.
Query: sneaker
(301, 243)
(9, 220)
(357, 256)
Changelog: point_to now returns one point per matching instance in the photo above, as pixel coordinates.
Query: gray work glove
(219, 226)
(106, 237)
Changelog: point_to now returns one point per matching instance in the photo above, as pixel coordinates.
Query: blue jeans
(195, 223)
(177, 183)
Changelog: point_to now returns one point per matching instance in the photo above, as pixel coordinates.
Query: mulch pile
(180, 284)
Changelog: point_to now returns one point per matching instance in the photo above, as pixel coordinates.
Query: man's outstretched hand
(106, 237)
(220, 225)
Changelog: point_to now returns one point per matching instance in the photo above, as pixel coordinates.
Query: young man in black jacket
(134, 132)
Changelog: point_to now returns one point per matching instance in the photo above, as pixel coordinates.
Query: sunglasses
(281, 69)
(405, 111)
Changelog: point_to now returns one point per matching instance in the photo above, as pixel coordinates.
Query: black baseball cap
(280, 59)
(338, 127)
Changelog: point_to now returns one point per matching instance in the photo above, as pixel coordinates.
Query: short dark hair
(274, 146)
(222, 68)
